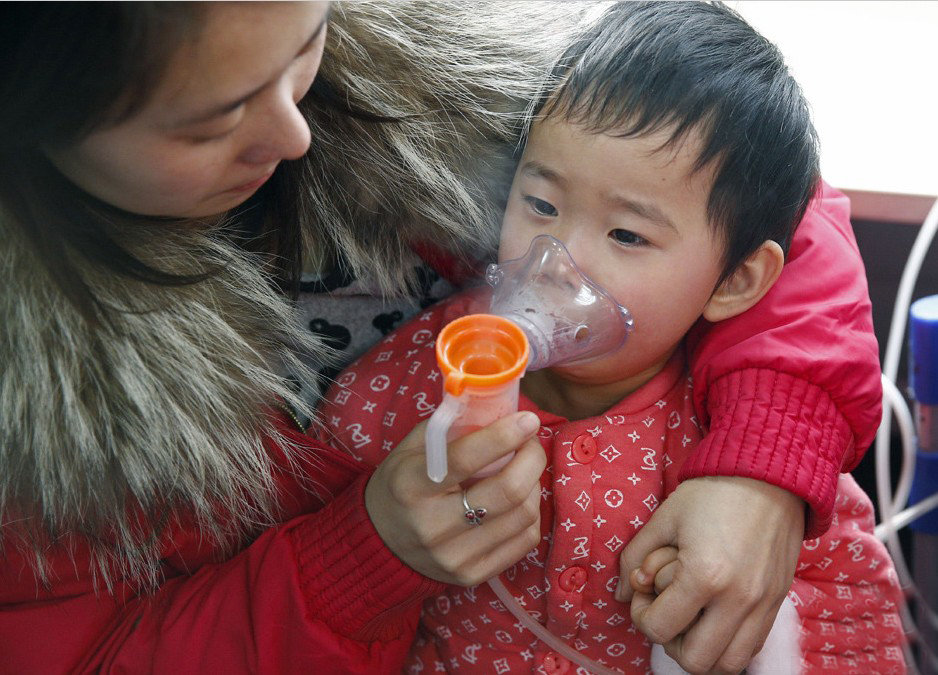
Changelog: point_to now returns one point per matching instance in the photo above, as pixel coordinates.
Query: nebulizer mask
(543, 312)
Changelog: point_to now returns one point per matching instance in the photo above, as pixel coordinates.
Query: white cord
(904, 295)
(893, 350)
(903, 518)
(893, 402)
(888, 506)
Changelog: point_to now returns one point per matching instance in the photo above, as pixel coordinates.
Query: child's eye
(540, 207)
(628, 238)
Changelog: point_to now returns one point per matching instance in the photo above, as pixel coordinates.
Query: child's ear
(747, 284)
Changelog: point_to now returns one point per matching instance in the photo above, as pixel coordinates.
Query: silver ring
(473, 516)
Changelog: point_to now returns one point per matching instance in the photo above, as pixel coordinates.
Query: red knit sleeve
(317, 594)
(349, 577)
(791, 388)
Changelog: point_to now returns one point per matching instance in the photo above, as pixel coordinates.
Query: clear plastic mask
(566, 316)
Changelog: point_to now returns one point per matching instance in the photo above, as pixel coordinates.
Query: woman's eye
(218, 128)
(540, 207)
(208, 138)
(628, 238)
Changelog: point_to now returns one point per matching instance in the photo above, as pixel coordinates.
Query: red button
(584, 449)
(572, 578)
(555, 664)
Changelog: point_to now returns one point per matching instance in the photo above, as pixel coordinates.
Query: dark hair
(73, 67)
(692, 66)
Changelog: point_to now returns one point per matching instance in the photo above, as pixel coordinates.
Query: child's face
(634, 218)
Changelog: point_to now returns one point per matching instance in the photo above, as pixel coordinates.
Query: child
(673, 156)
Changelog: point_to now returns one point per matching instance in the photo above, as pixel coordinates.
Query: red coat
(318, 594)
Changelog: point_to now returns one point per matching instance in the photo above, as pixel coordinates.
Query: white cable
(887, 504)
(899, 407)
(903, 518)
(885, 499)
(904, 295)
(900, 315)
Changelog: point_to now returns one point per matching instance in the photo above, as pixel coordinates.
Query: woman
(160, 510)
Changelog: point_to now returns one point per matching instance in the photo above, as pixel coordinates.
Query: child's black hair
(695, 66)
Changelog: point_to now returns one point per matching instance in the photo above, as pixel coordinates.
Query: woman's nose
(281, 131)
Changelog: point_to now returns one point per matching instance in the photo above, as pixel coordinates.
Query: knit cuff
(779, 429)
(349, 578)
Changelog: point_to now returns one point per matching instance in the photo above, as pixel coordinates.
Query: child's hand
(737, 541)
(656, 572)
(424, 523)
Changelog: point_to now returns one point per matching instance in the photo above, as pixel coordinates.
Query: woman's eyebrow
(225, 108)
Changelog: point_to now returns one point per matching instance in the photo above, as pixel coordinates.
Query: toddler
(673, 155)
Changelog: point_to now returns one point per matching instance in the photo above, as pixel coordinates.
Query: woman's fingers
(512, 485)
(473, 452)
(424, 522)
(478, 552)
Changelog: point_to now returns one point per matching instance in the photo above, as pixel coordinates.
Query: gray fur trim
(160, 408)
(459, 76)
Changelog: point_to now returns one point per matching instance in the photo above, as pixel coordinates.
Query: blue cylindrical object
(924, 485)
(923, 350)
(923, 380)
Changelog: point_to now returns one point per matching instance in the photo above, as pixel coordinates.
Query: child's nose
(561, 272)
(576, 244)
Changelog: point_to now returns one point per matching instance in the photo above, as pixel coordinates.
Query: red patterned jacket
(605, 476)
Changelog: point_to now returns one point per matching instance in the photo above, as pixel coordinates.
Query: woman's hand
(737, 542)
(424, 523)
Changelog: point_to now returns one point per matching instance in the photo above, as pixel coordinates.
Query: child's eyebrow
(538, 170)
(645, 210)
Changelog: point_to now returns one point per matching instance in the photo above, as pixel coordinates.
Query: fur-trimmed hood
(161, 405)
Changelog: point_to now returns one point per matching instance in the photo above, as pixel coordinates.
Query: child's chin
(587, 371)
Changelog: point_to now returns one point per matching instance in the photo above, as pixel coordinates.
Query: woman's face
(218, 124)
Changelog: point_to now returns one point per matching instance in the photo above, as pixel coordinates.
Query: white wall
(870, 71)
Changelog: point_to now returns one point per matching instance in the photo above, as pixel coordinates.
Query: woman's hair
(699, 67)
(69, 69)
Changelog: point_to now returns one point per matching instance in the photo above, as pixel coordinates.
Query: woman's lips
(254, 184)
